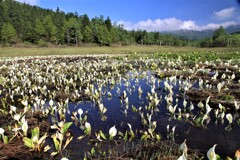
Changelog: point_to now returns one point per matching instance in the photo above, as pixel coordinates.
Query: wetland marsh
(155, 105)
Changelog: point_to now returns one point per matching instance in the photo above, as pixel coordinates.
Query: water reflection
(125, 104)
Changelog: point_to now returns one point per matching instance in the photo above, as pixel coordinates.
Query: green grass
(14, 52)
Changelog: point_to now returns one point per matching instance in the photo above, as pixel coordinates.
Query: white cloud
(225, 13)
(168, 24)
(213, 26)
(31, 2)
(171, 24)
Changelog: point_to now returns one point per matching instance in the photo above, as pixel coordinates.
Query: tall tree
(88, 35)
(85, 21)
(59, 20)
(235, 40)
(51, 29)
(1, 13)
(219, 32)
(39, 29)
(73, 31)
(33, 23)
(114, 35)
(108, 23)
(4, 17)
(95, 23)
(8, 33)
(27, 33)
(103, 35)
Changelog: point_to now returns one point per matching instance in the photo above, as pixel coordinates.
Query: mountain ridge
(199, 35)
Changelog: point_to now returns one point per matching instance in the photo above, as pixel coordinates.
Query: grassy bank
(14, 52)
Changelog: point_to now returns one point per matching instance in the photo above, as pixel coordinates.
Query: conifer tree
(8, 33)
(88, 35)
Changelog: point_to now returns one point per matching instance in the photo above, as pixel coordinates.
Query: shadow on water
(119, 114)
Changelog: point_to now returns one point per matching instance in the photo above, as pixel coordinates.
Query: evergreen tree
(59, 21)
(114, 35)
(73, 31)
(1, 13)
(88, 35)
(235, 40)
(103, 35)
(39, 29)
(85, 21)
(15, 12)
(8, 33)
(4, 7)
(220, 41)
(108, 23)
(51, 30)
(219, 32)
(27, 34)
(148, 38)
(33, 24)
(95, 23)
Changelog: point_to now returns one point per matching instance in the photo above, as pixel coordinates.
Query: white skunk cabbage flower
(219, 87)
(183, 147)
(87, 129)
(140, 90)
(51, 102)
(25, 103)
(87, 125)
(182, 157)
(2, 131)
(208, 109)
(211, 153)
(113, 131)
(237, 106)
(237, 154)
(185, 103)
(229, 118)
(130, 126)
(17, 117)
(80, 111)
(13, 108)
(25, 128)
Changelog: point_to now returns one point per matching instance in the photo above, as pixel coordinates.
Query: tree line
(221, 39)
(23, 23)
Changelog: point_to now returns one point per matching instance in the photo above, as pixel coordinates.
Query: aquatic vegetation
(25, 128)
(182, 157)
(112, 132)
(183, 148)
(36, 143)
(211, 155)
(103, 101)
(87, 129)
(3, 137)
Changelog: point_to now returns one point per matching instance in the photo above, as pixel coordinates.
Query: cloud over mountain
(171, 24)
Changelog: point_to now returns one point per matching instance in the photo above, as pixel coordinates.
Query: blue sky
(154, 15)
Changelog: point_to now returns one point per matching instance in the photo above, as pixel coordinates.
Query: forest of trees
(221, 39)
(24, 24)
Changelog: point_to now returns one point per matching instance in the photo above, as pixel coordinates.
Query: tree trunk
(76, 40)
(68, 37)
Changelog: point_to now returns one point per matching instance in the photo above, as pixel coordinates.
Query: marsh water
(119, 114)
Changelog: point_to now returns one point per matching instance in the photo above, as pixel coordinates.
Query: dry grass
(15, 52)
(158, 150)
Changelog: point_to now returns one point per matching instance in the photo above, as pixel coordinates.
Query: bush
(27, 44)
(42, 43)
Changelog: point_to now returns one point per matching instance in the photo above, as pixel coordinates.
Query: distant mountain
(199, 35)
(233, 29)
